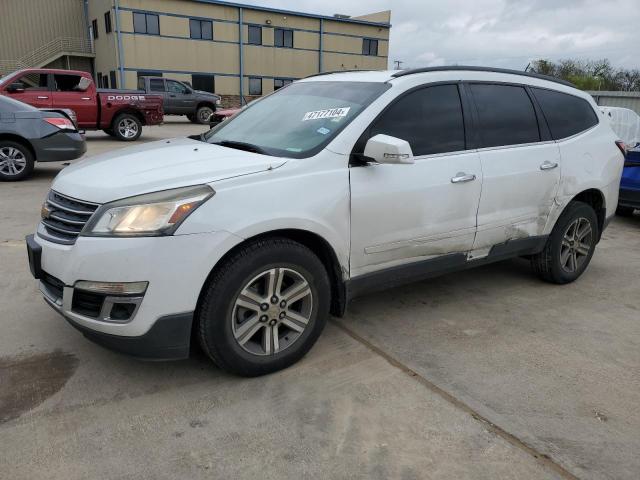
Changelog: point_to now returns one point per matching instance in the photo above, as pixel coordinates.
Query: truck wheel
(127, 127)
(16, 161)
(264, 307)
(203, 113)
(110, 132)
(570, 246)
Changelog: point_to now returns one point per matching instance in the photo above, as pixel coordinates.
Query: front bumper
(59, 147)
(176, 268)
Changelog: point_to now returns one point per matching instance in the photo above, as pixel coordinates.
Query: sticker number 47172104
(329, 113)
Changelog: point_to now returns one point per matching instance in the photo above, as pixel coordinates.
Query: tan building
(213, 44)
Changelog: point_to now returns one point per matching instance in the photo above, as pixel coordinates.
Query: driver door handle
(462, 177)
(548, 165)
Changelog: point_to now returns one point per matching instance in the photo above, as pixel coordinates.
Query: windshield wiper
(240, 146)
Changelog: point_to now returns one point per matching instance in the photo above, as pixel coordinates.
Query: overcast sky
(502, 33)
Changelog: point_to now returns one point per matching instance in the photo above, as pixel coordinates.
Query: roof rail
(482, 69)
(337, 71)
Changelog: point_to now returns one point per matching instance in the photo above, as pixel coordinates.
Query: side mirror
(16, 87)
(387, 149)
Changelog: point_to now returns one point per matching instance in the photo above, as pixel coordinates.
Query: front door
(520, 165)
(36, 90)
(405, 213)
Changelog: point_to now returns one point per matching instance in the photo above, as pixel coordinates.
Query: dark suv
(181, 99)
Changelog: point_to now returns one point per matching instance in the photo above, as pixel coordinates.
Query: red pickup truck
(120, 113)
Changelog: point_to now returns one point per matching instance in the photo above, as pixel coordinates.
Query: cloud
(503, 33)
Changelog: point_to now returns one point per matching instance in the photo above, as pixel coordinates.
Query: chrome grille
(64, 217)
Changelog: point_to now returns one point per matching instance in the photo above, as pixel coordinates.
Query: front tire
(203, 114)
(570, 246)
(127, 127)
(16, 161)
(264, 307)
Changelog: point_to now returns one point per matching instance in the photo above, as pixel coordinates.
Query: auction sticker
(329, 113)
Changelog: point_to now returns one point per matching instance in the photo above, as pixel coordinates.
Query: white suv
(249, 235)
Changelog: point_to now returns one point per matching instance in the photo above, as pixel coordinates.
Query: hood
(155, 166)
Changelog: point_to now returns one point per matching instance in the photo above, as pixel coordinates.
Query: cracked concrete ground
(487, 373)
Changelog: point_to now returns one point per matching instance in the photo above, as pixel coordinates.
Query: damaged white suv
(247, 237)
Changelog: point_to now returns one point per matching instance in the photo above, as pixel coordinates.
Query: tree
(590, 75)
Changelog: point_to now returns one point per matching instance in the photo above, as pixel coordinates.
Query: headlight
(153, 214)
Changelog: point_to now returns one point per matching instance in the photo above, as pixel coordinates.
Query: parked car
(626, 124)
(28, 135)
(221, 115)
(181, 99)
(120, 113)
(337, 185)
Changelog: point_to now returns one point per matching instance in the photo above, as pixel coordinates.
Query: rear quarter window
(566, 115)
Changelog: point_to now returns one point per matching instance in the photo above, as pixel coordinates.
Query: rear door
(77, 93)
(36, 89)
(180, 98)
(404, 213)
(520, 165)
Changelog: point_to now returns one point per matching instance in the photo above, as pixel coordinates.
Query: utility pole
(398, 63)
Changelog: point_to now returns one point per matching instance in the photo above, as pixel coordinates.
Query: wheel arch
(205, 103)
(314, 242)
(21, 140)
(130, 111)
(596, 199)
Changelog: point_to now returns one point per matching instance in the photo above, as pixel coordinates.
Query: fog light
(113, 288)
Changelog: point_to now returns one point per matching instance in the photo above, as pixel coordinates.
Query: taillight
(62, 123)
(623, 148)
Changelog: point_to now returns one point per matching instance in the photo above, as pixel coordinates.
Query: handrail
(45, 53)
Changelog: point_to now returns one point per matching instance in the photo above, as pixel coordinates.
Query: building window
(99, 79)
(283, 38)
(114, 82)
(255, 86)
(206, 83)
(146, 23)
(255, 35)
(105, 81)
(370, 47)
(107, 22)
(281, 82)
(201, 29)
(94, 28)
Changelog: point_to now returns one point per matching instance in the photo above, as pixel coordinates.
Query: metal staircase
(49, 52)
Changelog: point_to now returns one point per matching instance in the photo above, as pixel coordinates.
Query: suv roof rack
(482, 69)
(337, 71)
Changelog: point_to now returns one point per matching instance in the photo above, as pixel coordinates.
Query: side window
(254, 35)
(67, 83)
(566, 114)
(176, 87)
(155, 85)
(506, 115)
(34, 81)
(430, 119)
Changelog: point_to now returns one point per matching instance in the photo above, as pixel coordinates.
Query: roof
(388, 75)
(291, 12)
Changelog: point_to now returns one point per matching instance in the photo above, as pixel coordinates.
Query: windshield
(298, 120)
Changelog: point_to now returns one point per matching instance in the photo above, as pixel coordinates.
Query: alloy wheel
(128, 128)
(272, 311)
(12, 161)
(204, 114)
(576, 245)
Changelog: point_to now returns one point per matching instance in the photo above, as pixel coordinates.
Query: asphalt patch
(26, 382)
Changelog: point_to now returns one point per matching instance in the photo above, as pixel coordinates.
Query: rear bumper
(629, 198)
(59, 147)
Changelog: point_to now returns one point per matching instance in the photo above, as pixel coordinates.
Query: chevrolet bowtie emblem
(45, 212)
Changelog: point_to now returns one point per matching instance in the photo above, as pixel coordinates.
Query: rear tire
(16, 161)
(127, 127)
(250, 319)
(625, 211)
(570, 246)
